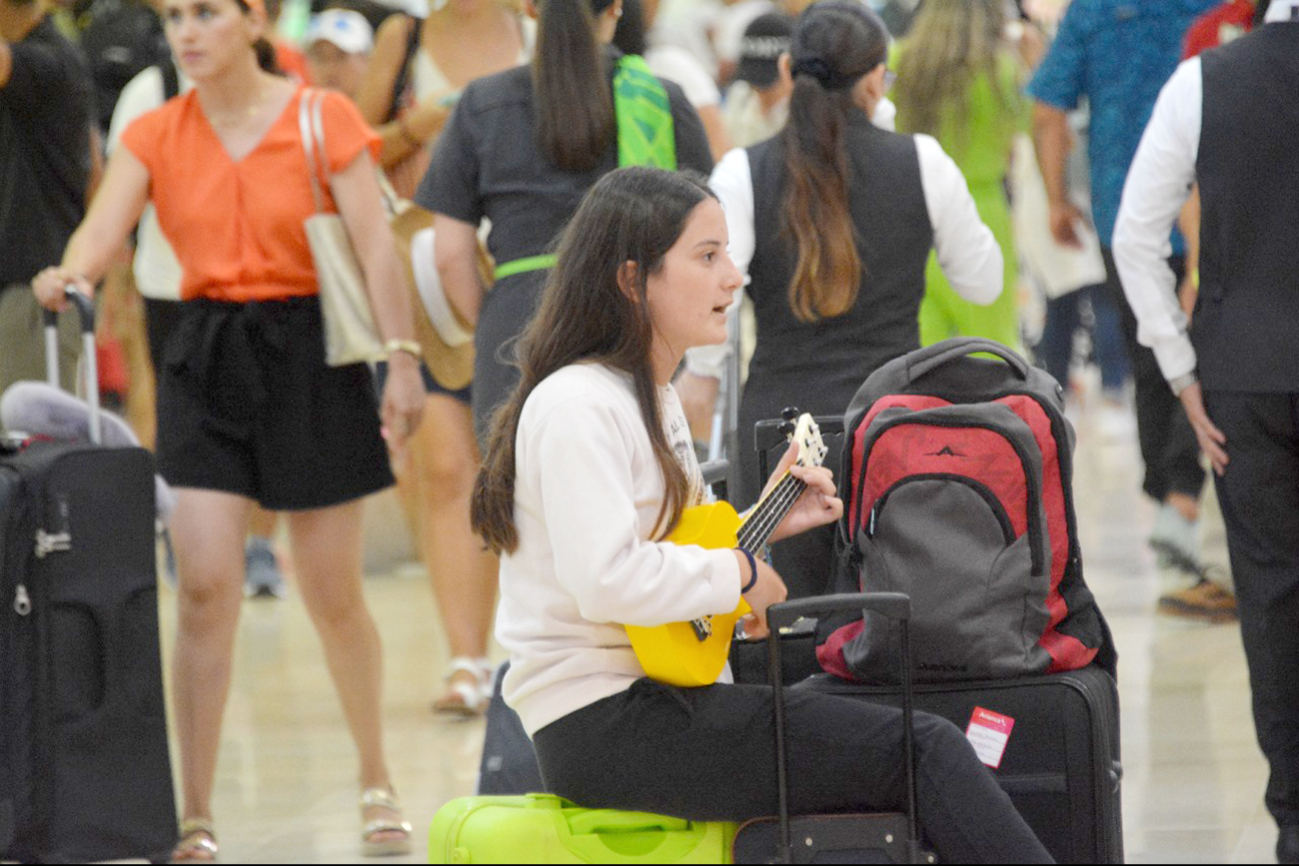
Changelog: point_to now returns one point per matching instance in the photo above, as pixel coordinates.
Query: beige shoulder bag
(350, 333)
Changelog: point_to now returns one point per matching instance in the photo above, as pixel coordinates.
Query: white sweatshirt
(587, 495)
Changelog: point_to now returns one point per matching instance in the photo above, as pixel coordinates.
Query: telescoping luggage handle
(893, 605)
(931, 358)
(86, 312)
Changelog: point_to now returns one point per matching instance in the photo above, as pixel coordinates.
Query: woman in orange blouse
(248, 410)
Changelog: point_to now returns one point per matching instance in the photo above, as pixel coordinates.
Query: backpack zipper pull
(870, 530)
(47, 543)
(22, 601)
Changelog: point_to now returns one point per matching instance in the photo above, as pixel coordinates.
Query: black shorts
(247, 405)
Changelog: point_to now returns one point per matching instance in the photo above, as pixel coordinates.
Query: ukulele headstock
(805, 432)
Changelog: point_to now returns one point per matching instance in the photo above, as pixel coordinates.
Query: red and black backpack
(956, 484)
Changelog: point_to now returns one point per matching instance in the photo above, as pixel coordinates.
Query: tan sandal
(197, 843)
(395, 828)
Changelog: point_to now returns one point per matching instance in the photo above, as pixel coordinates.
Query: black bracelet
(753, 566)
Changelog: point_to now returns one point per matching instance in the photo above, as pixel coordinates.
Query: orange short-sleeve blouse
(237, 227)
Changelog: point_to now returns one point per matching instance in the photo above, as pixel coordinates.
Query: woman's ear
(628, 278)
(868, 92)
(785, 69)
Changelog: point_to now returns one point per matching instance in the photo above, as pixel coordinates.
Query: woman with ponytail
(589, 468)
(248, 411)
(521, 149)
(834, 219)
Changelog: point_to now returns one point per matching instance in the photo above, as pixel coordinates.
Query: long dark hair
(575, 120)
(835, 43)
(634, 215)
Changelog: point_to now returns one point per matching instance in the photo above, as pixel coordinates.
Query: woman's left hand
(403, 400)
(816, 507)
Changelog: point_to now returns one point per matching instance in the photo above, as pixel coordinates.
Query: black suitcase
(869, 838)
(85, 772)
(1062, 764)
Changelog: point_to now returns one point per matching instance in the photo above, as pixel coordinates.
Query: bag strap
(646, 133)
(404, 74)
(313, 142)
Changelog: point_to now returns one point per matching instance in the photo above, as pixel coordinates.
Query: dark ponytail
(575, 120)
(834, 44)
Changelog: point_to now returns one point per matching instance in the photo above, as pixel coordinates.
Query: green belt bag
(646, 136)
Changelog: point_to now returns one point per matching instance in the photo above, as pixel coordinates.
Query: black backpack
(121, 39)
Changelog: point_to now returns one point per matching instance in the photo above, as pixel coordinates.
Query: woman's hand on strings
(817, 506)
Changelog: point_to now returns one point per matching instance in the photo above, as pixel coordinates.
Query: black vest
(827, 360)
(1246, 324)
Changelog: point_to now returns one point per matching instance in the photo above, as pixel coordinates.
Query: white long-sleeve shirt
(587, 495)
(1158, 183)
(967, 250)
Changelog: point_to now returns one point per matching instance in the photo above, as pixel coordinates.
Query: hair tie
(826, 76)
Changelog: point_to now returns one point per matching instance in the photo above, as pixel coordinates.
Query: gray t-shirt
(488, 165)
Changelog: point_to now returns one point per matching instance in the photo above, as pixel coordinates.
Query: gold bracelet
(410, 347)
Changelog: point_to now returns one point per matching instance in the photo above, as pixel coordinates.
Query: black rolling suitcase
(1061, 764)
(870, 838)
(84, 767)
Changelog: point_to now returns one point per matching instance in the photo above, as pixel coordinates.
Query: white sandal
(400, 831)
(467, 699)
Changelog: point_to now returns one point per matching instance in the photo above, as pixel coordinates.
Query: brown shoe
(1205, 601)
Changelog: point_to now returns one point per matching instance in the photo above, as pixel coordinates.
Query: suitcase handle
(895, 606)
(927, 360)
(86, 312)
(607, 821)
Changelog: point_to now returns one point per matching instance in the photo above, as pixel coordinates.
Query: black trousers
(708, 755)
(1260, 505)
(1168, 445)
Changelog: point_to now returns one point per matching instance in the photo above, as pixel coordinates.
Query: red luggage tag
(989, 733)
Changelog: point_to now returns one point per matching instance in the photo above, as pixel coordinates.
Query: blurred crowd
(1040, 104)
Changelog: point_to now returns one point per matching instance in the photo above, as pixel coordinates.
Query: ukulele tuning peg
(787, 429)
(791, 413)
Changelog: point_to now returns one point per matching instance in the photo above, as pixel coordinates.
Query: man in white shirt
(1229, 120)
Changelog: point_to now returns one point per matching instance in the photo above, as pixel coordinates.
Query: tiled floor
(1194, 775)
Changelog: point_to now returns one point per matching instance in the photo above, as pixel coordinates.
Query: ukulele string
(774, 509)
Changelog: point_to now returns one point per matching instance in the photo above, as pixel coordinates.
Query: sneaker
(262, 578)
(1205, 601)
(1175, 539)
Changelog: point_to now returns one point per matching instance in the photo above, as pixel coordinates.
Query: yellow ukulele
(693, 654)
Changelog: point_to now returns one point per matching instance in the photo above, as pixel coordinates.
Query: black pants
(1260, 505)
(1168, 445)
(708, 755)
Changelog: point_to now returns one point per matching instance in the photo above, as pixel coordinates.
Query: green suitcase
(540, 828)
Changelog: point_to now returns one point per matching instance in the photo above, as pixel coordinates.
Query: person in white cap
(1229, 120)
(338, 45)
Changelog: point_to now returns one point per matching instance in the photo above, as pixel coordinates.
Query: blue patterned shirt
(1118, 54)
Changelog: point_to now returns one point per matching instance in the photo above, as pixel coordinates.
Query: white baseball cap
(344, 28)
